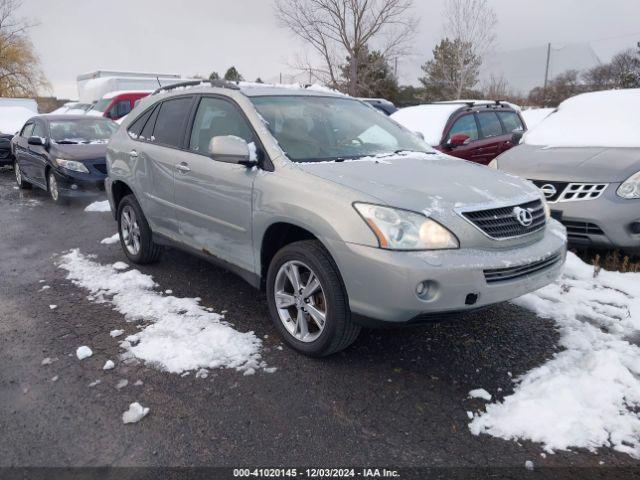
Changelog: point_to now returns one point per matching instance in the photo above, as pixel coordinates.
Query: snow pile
(291, 86)
(599, 119)
(115, 238)
(83, 352)
(429, 120)
(587, 396)
(98, 207)
(480, 393)
(181, 335)
(533, 116)
(109, 365)
(13, 118)
(135, 413)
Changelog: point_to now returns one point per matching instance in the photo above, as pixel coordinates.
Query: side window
(465, 125)
(122, 108)
(147, 131)
(217, 117)
(489, 124)
(27, 131)
(169, 126)
(136, 127)
(39, 130)
(511, 121)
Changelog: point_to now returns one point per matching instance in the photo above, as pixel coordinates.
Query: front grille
(502, 223)
(101, 167)
(582, 228)
(570, 192)
(505, 274)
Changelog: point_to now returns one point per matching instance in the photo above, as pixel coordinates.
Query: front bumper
(604, 222)
(79, 185)
(381, 284)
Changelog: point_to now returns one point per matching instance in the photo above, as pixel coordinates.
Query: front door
(214, 199)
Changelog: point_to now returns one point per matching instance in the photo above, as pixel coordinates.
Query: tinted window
(215, 118)
(136, 127)
(39, 130)
(466, 126)
(489, 124)
(170, 122)
(511, 121)
(147, 131)
(122, 108)
(27, 130)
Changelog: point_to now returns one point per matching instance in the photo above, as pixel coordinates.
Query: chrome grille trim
(573, 192)
(501, 223)
(495, 275)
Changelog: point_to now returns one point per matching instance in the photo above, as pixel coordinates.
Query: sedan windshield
(89, 130)
(315, 129)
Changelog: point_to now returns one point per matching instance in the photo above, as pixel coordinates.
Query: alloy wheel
(16, 168)
(53, 187)
(130, 230)
(300, 301)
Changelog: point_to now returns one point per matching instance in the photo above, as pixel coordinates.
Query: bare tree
(472, 22)
(20, 73)
(339, 29)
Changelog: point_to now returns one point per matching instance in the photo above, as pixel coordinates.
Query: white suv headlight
(72, 165)
(404, 230)
(630, 188)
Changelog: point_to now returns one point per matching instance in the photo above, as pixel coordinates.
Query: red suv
(476, 130)
(116, 105)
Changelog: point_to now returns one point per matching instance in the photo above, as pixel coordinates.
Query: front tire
(307, 300)
(136, 237)
(22, 183)
(54, 189)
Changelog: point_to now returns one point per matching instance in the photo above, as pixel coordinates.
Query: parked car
(533, 116)
(11, 120)
(476, 131)
(116, 105)
(63, 154)
(585, 158)
(342, 215)
(73, 108)
(385, 106)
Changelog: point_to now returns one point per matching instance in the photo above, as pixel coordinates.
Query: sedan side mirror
(458, 140)
(39, 141)
(230, 149)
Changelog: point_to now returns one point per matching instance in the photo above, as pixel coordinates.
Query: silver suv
(344, 217)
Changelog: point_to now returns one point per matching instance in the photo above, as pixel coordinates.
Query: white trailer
(95, 85)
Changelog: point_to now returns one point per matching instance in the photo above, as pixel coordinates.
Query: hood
(419, 182)
(79, 152)
(571, 164)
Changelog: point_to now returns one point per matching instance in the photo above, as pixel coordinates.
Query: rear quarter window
(170, 124)
(490, 124)
(511, 121)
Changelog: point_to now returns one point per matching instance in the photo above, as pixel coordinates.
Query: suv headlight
(630, 188)
(404, 230)
(72, 165)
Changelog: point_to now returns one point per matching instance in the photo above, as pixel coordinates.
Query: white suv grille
(582, 191)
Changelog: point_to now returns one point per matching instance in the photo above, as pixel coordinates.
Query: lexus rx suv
(345, 218)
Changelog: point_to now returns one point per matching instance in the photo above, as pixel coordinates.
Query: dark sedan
(63, 154)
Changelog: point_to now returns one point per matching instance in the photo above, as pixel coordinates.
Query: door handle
(133, 154)
(183, 167)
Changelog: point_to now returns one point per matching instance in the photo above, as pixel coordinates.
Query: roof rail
(195, 83)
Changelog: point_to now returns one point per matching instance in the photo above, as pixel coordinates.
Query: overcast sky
(198, 36)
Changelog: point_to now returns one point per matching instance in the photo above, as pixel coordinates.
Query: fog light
(421, 289)
(74, 186)
(635, 228)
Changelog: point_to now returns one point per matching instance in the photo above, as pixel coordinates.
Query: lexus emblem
(548, 190)
(524, 216)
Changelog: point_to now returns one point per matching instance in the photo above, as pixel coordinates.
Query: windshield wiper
(404, 150)
(67, 142)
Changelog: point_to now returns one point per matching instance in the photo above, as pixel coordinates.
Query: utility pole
(395, 68)
(546, 73)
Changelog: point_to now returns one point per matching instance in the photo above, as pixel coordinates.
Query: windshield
(101, 105)
(82, 131)
(315, 129)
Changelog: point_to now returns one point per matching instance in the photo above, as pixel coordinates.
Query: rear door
(214, 199)
(511, 122)
(492, 137)
(157, 154)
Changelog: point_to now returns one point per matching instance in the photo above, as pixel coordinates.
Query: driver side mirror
(230, 149)
(458, 140)
(38, 141)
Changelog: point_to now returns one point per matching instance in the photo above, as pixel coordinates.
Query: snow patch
(83, 352)
(109, 365)
(98, 207)
(116, 333)
(588, 395)
(480, 393)
(115, 238)
(135, 413)
(179, 336)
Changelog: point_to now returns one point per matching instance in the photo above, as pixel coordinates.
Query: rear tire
(22, 183)
(309, 259)
(136, 237)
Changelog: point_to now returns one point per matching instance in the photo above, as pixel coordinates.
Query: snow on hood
(533, 116)
(586, 164)
(13, 118)
(609, 118)
(419, 181)
(429, 120)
